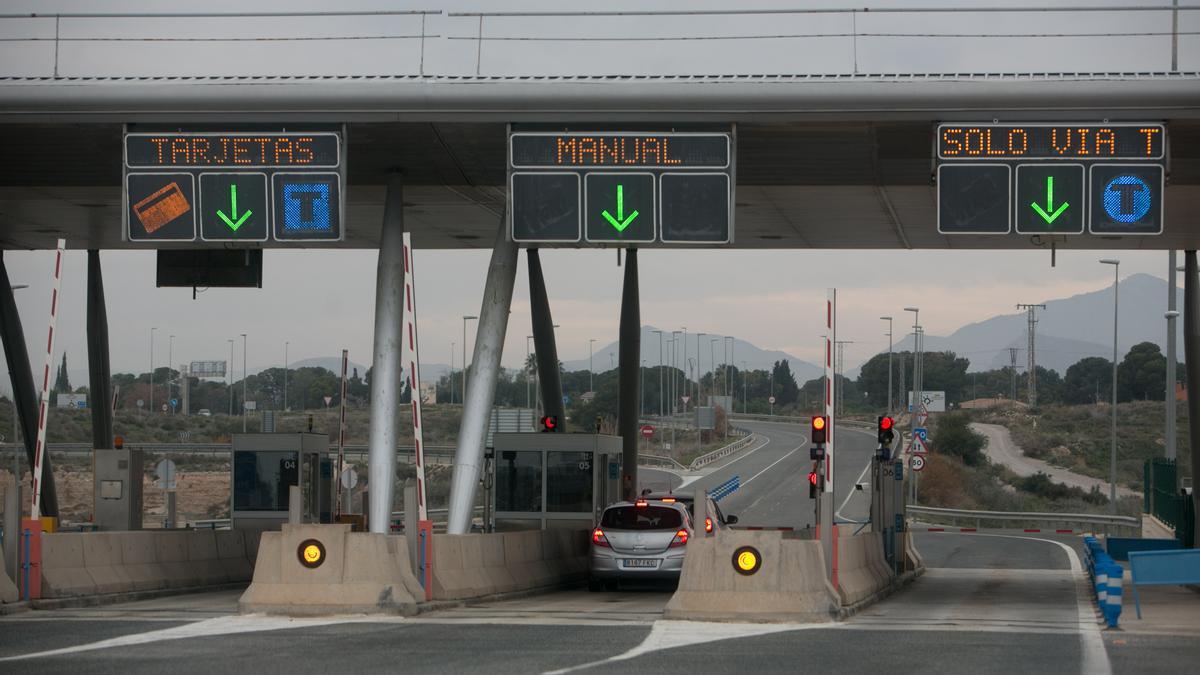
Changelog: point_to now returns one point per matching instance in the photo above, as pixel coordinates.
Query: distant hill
(1068, 330)
(605, 357)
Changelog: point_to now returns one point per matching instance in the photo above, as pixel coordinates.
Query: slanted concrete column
(629, 354)
(1191, 354)
(99, 371)
(485, 369)
(24, 394)
(544, 343)
(385, 372)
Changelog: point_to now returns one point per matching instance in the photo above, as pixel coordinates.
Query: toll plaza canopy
(821, 160)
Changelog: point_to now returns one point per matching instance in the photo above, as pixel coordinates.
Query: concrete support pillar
(24, 394)
(99, 371)
(629, 362)
(1191, 354)
(485, 369)
(543, 342)
(385, 373)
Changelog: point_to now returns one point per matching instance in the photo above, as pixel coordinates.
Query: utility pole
(1012, 359)
(1032, 314)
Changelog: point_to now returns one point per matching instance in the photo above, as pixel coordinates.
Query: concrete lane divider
(478, 565)
(77, 564)
(307, 570)
(788, 581)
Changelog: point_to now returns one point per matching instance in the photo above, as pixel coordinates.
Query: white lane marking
(852, 491)
(1094, 657)
(770, 466)
(226, 625)
(671, 634)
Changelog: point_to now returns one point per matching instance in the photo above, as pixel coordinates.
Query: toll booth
(118, 489)
(541, 481)
(265, 466)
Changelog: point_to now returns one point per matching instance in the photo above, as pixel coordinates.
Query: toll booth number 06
(1050, 142)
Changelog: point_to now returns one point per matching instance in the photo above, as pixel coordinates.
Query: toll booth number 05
(1100, 142)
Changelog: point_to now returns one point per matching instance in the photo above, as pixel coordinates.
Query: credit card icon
(161, 207)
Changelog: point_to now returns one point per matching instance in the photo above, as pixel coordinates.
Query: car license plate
(639, 562)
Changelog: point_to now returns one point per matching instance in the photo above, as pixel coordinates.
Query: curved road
(774, 476)
(1001, 449)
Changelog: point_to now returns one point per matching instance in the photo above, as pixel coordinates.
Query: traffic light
(812, 484)
(885, 431)
(819, 424)
(550, 424)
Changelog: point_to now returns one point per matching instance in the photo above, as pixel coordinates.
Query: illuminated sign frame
(1158, 127)
(323, 135)
(666, 135)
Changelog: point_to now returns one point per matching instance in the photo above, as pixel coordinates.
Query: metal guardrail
(659, 460)
(1104, 520)
(711, 457)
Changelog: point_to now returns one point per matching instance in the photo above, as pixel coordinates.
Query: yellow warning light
(747, 560)
(311, 553)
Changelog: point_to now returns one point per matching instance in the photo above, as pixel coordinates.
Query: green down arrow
(620, 222)
(1049, 214)
(234, 222)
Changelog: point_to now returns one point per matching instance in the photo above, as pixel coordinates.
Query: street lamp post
(591, 370)
(916, 387)
(466, 318)
(451, 378)
(674, 365)
(1112, 459)
(170, 360)
(229, 373)
(712, 362)
(285, 373)
(660, 372)
(152, 369)
(889, 337)
(244, 378)
(699, 388)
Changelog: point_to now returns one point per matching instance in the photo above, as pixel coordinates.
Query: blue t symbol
(306, 206)
(1126, 199)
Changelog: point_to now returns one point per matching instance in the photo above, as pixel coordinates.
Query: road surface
(1001, 449)
(988, 604)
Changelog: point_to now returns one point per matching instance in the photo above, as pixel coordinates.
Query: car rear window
(642, 518)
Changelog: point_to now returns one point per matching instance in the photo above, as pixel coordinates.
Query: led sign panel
(622, 188)
(233, 186)
(1064, 179)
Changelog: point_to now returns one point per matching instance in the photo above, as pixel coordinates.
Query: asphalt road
(774, 477)
(988, 604)
(1001, 449)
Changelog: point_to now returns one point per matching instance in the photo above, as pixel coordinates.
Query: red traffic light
(812, 478)
(886, 423)
(549, 423)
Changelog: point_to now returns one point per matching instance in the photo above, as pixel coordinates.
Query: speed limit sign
(916, 462)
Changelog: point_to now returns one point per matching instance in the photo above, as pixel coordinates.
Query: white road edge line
(1093, 655)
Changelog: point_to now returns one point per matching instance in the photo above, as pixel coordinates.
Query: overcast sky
(321, 301)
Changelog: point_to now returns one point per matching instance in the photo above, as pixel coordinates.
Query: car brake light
(680, 539)
(668, 500)
(640, 502)
(598, 538)
(708, 525)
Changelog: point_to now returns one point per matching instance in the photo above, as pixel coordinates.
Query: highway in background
(774, 476)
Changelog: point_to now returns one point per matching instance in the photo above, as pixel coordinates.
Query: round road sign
(349, 478)
(647, 431)
(916, 462)
(771, 400)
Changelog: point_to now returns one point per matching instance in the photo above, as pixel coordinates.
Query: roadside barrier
(1107, 577)
(725, 489)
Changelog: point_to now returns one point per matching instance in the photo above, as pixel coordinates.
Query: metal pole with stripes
(35, 511)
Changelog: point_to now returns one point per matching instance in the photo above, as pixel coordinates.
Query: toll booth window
(519, 481)
(569, 482)
(261, 480)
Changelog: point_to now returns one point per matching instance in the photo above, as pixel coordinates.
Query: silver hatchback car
(640, 540)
